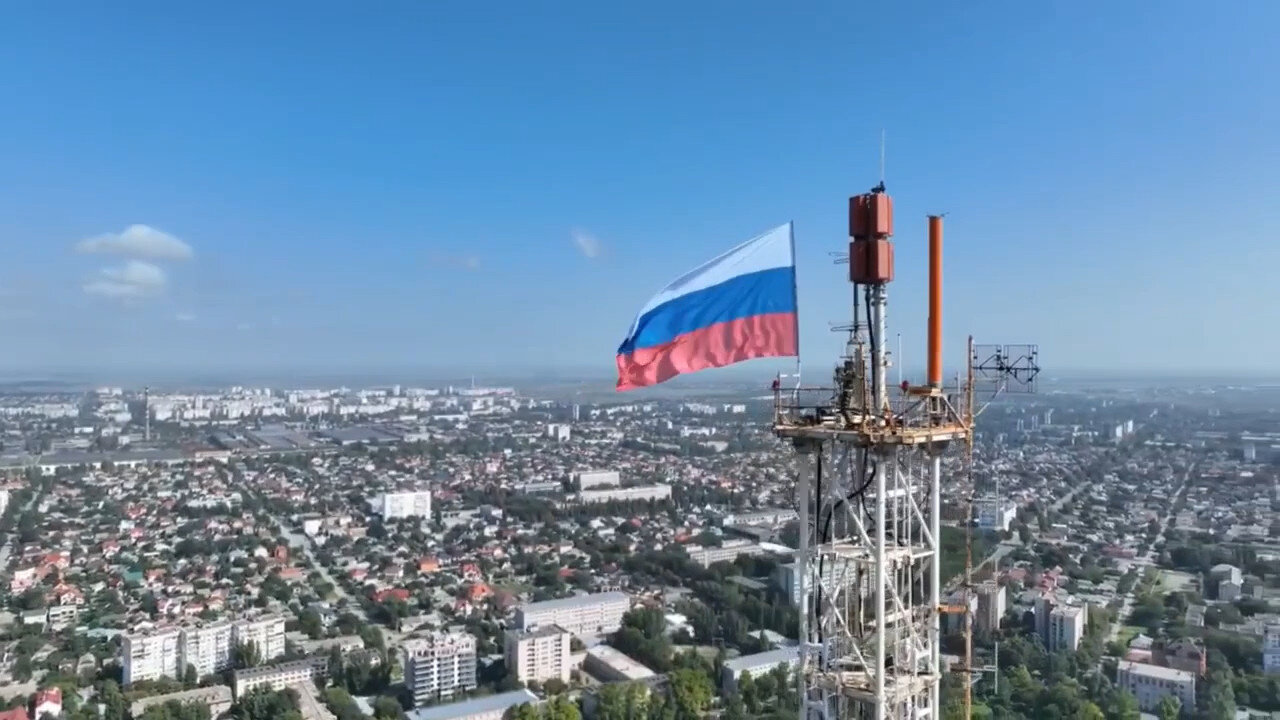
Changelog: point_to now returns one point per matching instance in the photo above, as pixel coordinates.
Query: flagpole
(795, 295)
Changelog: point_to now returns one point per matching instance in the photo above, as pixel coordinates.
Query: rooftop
(538, 631)
(769, 659)
(1154, 671)
(577, 601)
(466, 708)
(620, 662)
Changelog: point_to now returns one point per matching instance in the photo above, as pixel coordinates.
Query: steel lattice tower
(870, 470)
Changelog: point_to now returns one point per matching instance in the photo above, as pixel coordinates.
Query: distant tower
(1048, 417)
(146, 413)
(577, 412)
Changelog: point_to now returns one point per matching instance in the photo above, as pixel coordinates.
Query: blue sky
(502, 185)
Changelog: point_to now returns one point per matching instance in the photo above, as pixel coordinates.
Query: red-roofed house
(477, 592)
(49, 702)
(66, 594)
(17, 713)
(397, 593)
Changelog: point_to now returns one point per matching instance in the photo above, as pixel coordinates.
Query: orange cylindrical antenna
(935, 301)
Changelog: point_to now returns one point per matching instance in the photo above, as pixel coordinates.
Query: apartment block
(1271, 649)
(267, 633)
(991, 607)
(209, 649)
(1066, 628)
(150, 656)
(835, 574)
(280, 675)
(538, 654)
(407, 504)
(596, 478)
(439, 665)
(727, 552)
(581, 615)
(638, 492)
(1151, 683)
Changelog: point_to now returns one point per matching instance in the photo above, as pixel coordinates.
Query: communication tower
(869, 498)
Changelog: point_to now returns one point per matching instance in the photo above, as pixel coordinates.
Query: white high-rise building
(1066, 628)
(991, 607)
(1271, 649)
(559, 432)
(266, 633)
(150, 656)
(993, 514)
(835, 574)
(538, 654)
(4, 501)
(209, 649)
(398, 505)
(439, 665)
(581, 615)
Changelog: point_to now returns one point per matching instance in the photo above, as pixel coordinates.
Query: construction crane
(868, 565)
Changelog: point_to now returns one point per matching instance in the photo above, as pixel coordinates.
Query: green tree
(387, 708)
(1169, 708)
(190, 677)
(1123, 706)
(561, 707)
(311, 624)
(691, 693)
(524, 711)
(246, 655)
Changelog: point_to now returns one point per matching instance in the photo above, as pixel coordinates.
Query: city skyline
(453, 190)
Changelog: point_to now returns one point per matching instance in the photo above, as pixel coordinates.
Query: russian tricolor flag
(739, 306)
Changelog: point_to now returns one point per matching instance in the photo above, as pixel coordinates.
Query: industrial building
(538, 654)
(439, 665)
(580, 615)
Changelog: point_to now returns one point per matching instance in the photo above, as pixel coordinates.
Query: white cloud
(587, 244)
(184, 317)
(142, 241)
(132, 281)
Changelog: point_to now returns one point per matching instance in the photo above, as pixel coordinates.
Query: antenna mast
(868, 571)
